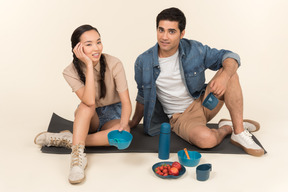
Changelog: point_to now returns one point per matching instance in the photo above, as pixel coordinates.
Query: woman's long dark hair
(75, 39)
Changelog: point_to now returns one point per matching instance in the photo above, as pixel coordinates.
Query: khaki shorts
(195, 115)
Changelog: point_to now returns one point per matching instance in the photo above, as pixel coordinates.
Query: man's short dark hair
(172, 14)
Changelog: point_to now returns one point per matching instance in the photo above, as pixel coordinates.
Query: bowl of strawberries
(168, 169)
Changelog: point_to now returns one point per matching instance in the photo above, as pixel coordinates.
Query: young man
(171, 88)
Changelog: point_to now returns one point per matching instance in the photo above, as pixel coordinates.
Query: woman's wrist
(89, 64)
(124, 124)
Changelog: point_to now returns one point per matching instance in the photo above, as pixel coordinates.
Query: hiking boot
(250, 125)
(78, 164)
(245, 141)
(62, 139)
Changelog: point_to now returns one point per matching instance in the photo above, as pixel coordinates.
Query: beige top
(115, 80)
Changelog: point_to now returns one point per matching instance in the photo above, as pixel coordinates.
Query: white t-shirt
(170, 88)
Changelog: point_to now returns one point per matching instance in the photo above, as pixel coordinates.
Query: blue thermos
(164, 141)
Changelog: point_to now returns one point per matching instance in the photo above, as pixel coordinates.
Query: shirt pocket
(195, 79)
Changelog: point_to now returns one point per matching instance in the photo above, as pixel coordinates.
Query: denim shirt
(195, 58)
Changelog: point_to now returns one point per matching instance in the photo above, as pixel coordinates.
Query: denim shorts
(108, 113)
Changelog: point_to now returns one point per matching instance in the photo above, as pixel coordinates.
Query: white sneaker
(78, 164)
(245, 141)
(248, 124)
(62, 139)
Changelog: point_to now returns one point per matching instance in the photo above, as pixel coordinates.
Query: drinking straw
(186, 153)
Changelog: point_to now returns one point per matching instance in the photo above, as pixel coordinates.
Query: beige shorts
(195, 115)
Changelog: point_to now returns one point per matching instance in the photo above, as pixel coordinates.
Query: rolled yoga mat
(142, 143)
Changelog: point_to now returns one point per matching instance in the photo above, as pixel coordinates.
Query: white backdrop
(35, 37)
(35, 48)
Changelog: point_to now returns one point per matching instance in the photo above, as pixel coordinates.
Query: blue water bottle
(164, 141)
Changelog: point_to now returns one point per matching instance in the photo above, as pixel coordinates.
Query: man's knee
(234, 78)
(204, 140)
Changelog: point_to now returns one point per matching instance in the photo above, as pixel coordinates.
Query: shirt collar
(97, 67)
(155, 53)
(181, 50)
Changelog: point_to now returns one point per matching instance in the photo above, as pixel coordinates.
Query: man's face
(168, 37)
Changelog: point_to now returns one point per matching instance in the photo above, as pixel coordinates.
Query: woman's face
(92, 45)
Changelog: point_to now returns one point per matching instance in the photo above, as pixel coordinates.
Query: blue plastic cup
(120, 139)
(203, 172)
(210, 102)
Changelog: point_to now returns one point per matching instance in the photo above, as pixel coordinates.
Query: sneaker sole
(77, 182)
(255, 123)
(47, 132)
(256, 153)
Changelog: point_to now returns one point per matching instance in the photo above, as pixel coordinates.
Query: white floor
(28, 169)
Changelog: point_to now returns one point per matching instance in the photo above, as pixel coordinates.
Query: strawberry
(177, 165)
(165, 171)
(174, 171)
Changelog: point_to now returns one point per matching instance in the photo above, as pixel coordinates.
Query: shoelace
(60, 142)
(77, 156)
(247, 137)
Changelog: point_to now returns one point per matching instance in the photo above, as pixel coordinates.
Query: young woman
(99, 81)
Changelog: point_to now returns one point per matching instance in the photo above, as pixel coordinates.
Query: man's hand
(218, 85)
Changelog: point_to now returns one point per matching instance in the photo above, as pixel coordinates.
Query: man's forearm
(230, 66)
(138, 114)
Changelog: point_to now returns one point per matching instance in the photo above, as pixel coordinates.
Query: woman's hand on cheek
(78, 51)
